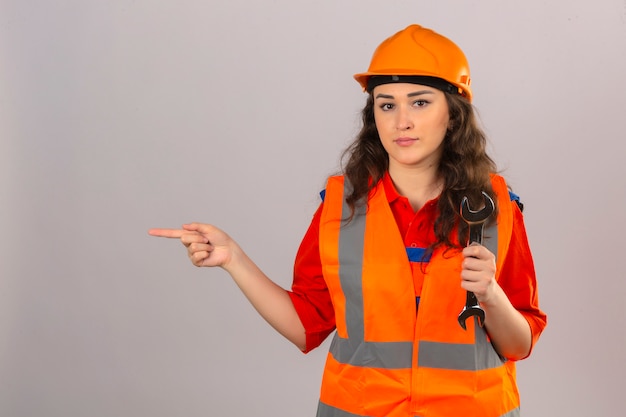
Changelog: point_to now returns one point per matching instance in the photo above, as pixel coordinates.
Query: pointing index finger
(169, 233)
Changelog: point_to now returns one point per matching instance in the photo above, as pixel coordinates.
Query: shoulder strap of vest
(332, 181)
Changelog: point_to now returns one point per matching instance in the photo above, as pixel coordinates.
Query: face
(412, 121)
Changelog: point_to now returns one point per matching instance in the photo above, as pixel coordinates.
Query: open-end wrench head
(477, 216)
(473, 311)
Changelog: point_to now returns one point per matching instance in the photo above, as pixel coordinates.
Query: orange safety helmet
(419, 52)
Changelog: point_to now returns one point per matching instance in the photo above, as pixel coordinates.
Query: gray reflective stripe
(452, 356)
(463, 357)
(386, 355)
(351, 244)
(512, 413)
(490, 238)
(397, 355)
(325, 410)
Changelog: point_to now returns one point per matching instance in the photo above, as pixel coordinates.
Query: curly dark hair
(465, 167)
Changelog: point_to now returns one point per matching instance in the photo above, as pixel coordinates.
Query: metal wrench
(476, 221)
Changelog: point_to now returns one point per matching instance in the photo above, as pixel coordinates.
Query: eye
(420, 103)
(386, 106)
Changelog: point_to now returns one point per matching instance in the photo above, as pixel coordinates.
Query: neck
(417, 184)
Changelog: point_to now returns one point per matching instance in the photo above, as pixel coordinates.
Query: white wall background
(120, 115)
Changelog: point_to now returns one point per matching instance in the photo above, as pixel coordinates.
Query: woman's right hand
(209, 246)
(206, 244)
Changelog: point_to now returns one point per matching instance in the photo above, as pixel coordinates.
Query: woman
(385, 261)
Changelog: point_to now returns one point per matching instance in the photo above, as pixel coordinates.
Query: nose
(403, 120)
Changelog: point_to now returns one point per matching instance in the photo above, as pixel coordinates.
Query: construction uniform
(398, 350)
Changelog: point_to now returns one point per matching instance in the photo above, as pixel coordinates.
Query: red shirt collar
(393, 195)
(390, 189)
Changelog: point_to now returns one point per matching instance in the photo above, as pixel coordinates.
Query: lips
(405, 141)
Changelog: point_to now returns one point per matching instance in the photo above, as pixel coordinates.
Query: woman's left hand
(478, 273)
(508, 329)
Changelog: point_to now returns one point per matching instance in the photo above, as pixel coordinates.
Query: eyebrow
(416, 93)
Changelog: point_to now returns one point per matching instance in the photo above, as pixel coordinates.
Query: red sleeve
(518, 279)
(309, 292)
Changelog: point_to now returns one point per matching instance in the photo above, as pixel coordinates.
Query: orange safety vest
(387, 360)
